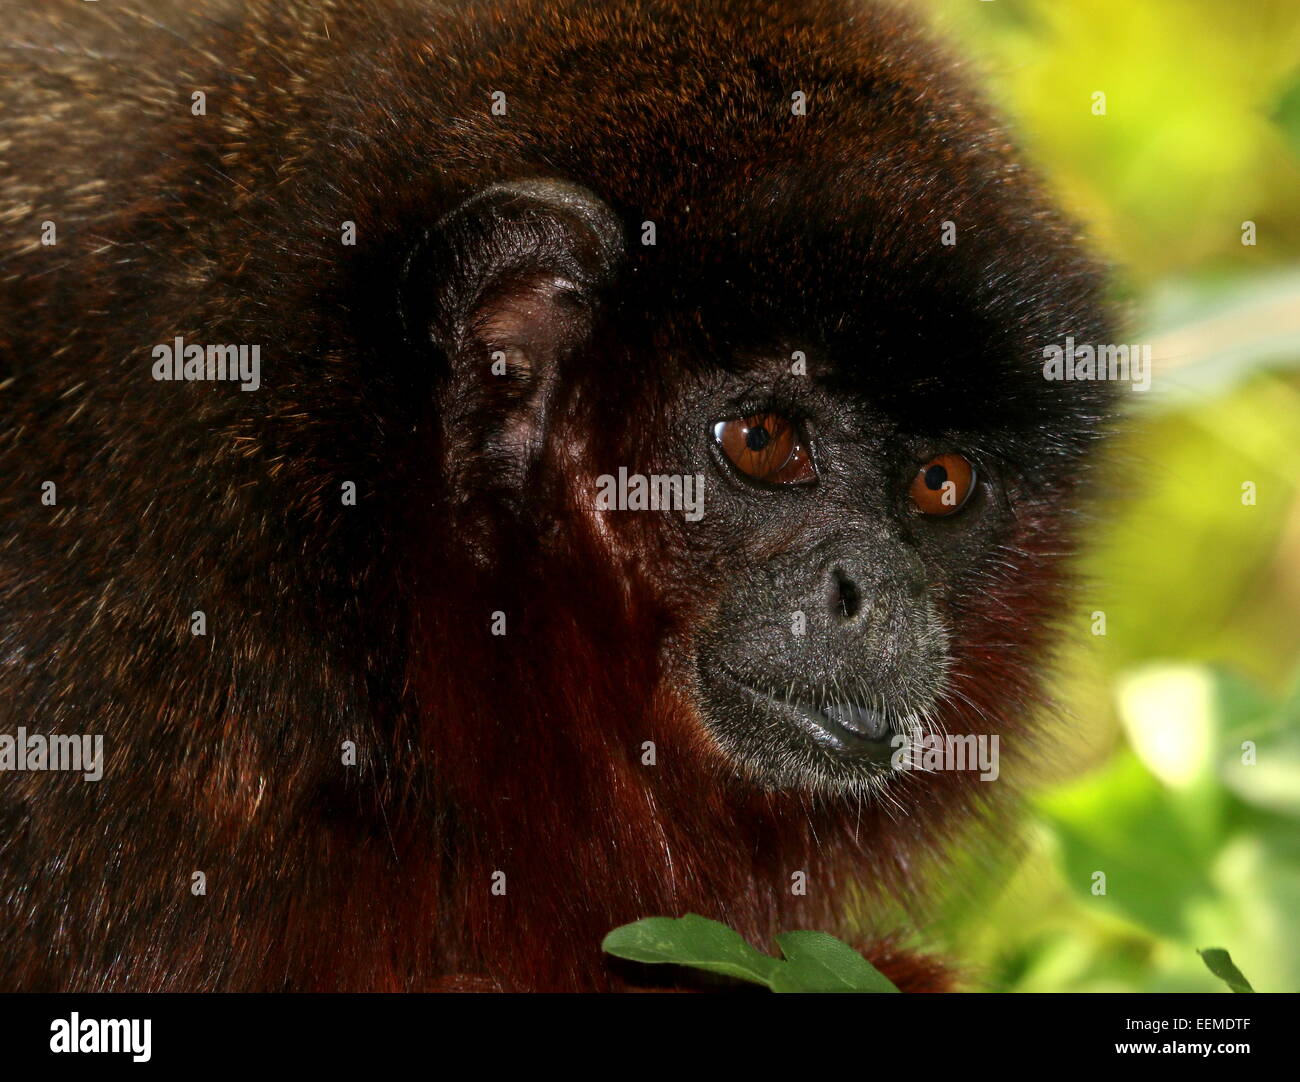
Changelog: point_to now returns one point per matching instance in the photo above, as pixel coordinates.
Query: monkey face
(831, 643)
(846, 543)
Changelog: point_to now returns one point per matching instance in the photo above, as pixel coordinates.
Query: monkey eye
(943, 484)
(766, 447)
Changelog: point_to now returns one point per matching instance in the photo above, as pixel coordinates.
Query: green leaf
(1122, 822)
(1219, 962)
(691, 940)
(817, 962)
(814, 961)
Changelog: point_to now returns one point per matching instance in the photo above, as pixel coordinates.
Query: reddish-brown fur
(478, 754)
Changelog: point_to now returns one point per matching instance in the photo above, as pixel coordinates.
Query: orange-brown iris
(766, 447)
(943, 484)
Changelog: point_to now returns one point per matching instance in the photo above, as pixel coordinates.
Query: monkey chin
(815, 742)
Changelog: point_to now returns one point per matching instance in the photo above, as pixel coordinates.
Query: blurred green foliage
(1202, 119)
(1179, 729)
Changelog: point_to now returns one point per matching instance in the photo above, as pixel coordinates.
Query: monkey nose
(843, 595)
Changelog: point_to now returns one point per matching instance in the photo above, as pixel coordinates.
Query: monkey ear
(504, 286)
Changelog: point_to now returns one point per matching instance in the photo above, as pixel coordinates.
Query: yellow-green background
(1201, 592)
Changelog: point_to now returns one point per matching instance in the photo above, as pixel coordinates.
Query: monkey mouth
(845, 728)
(842, 727)
(855, 721)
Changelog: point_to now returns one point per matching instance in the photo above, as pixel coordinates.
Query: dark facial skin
(819, 652)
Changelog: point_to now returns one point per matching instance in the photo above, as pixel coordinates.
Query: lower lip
(869, 736)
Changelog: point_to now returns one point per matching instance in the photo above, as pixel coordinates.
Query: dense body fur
(327, 623)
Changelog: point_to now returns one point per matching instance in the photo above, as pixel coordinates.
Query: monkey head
(865, 480)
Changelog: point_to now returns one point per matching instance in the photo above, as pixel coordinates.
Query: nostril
(849, 600)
